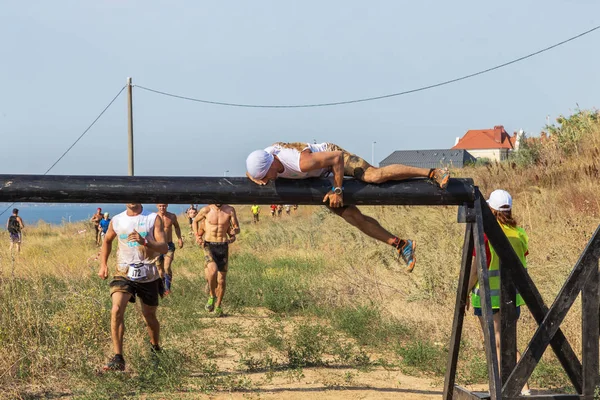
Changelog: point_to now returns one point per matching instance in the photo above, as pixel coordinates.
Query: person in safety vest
(500, 202)
(308, 160)
(141, 239)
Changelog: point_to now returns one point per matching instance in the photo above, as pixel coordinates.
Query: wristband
(337, 190)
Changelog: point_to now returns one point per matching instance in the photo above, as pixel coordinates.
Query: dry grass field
(314, 308)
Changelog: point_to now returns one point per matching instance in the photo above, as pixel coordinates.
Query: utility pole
(130, 124)
(373, 153)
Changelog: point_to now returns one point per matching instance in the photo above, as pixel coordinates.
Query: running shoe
(116, 363)
(407, 253)
(440, 176)
(218, 312)
(210, 304)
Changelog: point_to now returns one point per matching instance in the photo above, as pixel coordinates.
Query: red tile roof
(496, 138)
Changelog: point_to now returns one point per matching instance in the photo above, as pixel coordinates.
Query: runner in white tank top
(290, 158)
(133, 255)
(141, 239)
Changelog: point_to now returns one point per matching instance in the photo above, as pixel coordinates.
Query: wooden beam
(532, 296)
(587, 263)
(459, 312)
(508, 324)
(205, 190)
(460, 393)
(486, 305)
(590, 330)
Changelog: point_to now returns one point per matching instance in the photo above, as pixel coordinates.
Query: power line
(78, 139)
(420, 89)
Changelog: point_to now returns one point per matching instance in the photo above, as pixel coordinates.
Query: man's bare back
(220, 223)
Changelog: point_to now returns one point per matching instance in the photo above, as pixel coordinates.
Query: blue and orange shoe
(440, 176)
(407, 253)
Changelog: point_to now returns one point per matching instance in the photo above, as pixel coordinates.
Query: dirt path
(374, 382)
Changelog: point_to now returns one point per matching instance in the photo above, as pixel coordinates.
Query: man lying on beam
(306, 160)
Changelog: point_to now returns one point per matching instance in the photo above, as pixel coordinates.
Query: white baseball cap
(500, 200)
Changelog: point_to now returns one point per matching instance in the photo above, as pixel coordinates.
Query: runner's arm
(198, 219)
(105, 251)
(177, 231)
(235, 225)
(324, 159)
(21, 222)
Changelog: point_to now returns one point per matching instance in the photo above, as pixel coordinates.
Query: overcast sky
(63, 61)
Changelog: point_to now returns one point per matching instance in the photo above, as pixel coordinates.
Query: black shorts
(148, 292)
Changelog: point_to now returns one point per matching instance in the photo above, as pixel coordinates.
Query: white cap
(500, 200)
(258, 163)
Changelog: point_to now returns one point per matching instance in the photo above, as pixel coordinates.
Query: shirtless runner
(308, 160)
(164, 260)
(215, 227)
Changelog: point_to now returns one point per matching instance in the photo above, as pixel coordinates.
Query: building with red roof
(494, 144)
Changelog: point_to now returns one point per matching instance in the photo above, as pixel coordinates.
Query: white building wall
(492, 154)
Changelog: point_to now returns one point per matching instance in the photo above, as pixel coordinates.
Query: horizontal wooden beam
(205, 190)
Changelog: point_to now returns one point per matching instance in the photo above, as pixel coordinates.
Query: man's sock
(168, 281)
(398, 243)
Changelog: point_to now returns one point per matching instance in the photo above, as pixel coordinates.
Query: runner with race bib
(141, 240)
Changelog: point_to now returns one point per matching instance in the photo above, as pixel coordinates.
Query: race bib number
(137, 272)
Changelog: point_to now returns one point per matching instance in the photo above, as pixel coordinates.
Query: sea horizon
(64, 213)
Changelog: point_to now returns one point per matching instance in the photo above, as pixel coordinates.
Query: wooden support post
(459, 312)
(508, 324)
(486, 305)
(587, 263)
(590, 330)
(531, 295)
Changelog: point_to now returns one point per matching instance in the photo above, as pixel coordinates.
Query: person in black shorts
(141, 239)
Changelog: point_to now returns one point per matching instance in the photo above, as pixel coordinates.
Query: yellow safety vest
(519, 242)
(255, 209)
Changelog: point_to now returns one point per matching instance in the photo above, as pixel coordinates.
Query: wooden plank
(459, 312)
(548, 397)
(587, 263)
(589, 327)
(508, 324)
(460, 393)
(532, 296)
(486, 305)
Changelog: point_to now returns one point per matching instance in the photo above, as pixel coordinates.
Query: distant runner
(220, 225)
(96, 222)
(191, 213)
(164, 260)
(15, 226)
(103, 226)
(255, 213)
(307, 160)
(140, 239)
(288, 209)
(273, 210)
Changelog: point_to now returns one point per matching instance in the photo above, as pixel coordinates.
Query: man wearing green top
(255, 213)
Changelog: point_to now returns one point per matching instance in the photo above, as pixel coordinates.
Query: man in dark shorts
(96, 218)
(308, 160)
(15, 226)
(164, 261)
(216, 226)
(141, 239)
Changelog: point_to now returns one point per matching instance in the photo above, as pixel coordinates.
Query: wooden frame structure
(506, 379)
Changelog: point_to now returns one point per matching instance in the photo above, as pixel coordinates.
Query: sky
(63, 61)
